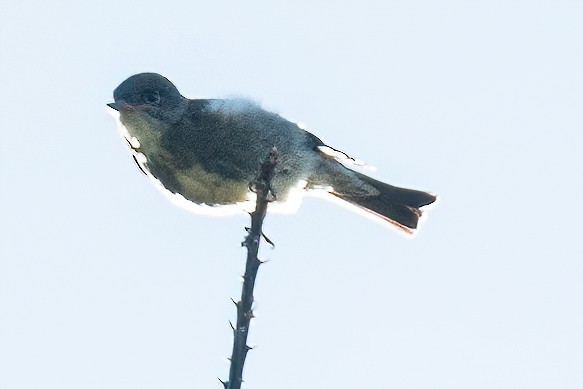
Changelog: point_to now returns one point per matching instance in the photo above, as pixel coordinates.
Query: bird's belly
(208, 193)
(203, 187)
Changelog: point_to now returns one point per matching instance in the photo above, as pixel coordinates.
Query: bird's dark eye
(152, 97)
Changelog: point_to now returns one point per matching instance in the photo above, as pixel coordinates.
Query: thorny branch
(261, 186)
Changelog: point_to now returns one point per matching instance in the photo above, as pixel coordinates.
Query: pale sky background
(105, 284)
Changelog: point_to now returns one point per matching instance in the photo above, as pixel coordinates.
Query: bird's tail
(398, 206)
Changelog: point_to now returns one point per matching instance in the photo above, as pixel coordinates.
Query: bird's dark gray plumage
(210, 150)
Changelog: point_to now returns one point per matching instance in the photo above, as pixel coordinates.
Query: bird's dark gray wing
(198, 140)
(230, 138)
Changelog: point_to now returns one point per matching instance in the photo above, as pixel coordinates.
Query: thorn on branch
(268, 240)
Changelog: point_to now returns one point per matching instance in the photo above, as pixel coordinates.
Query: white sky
(106, 284)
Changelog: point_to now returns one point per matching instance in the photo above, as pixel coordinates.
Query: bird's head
(148, 96)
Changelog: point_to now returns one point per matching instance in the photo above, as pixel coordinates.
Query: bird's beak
(113, 106)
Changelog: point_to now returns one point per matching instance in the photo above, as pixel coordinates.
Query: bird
(209, 150)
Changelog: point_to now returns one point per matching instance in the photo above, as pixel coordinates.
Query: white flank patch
(345, 159)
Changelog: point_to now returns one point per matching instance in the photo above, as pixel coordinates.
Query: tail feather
(398, 206)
